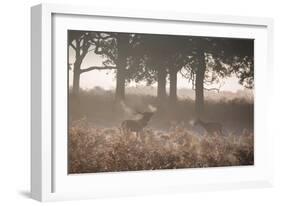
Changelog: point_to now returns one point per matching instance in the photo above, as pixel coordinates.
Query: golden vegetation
(94, 149)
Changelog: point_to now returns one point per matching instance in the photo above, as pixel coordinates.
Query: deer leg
(123, 131)
(220, 131)
(126, 132)
(142, 136)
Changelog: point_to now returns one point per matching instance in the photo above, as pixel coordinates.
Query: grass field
(93, 149)
(170, 140)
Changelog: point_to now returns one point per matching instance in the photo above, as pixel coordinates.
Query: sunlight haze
(106, 78)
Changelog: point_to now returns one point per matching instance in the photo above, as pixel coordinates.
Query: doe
(212, 128)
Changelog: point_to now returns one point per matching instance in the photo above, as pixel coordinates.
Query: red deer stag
(136, 125)
(212, 128)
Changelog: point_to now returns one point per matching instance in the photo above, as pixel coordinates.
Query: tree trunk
(76, 77)
(122, 44)
(199, 85)
(120, 81)
(173, 85)
(161, 86)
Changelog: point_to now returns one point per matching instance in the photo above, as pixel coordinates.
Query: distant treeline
(246, 95)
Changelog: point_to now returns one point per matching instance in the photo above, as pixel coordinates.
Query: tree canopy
(156, 58)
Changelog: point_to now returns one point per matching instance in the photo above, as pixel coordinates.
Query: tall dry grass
(170, 141)
(106, 149)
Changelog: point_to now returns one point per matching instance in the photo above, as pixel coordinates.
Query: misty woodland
(151, 101)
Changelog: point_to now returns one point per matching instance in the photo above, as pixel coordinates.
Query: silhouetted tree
(121, 64)
(116, 48)
(177, 60)
(239, 56)
(138, 57)
(82, 42)
(156, 57)
(79, 42)
(215, 58)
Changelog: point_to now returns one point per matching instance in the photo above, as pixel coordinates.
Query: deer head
(146, 115)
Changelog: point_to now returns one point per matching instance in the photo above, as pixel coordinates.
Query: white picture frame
(49, 180)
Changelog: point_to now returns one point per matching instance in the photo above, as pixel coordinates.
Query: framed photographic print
(137, 102)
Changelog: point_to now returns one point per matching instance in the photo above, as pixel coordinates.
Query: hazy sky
(106, 78)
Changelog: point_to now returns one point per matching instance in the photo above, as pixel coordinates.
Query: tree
(214, 59)
(113, 46)
(78, 41)
(239, 56)
(121, 64)
(178, 58)
(156, 56)
(116, 47)
(199, 83)
(83, 42)
(150, 55)
(156, 50)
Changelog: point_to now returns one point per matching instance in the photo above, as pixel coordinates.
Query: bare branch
(85, 49)
(78, 47)
(81, 37)
(72, 45)
(108, 54)
(184, 75)
(97, 68)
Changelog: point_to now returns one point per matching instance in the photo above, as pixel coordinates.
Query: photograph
(147, 101)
